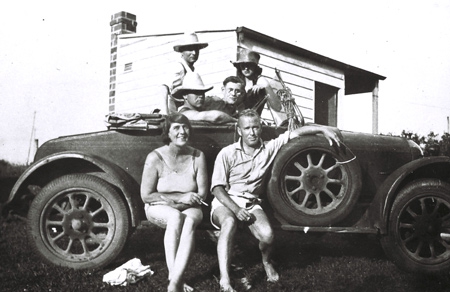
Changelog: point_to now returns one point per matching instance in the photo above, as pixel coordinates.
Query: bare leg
(262, 231)
(172, 220)
(185, 250)
(172, 239)
(224, 218)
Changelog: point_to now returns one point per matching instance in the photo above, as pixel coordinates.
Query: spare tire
(313, 183)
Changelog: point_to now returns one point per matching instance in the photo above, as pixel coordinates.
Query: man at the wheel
(237, 185)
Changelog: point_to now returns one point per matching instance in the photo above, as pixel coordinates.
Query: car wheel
(78, 221)
(314, 184)
(418, 238)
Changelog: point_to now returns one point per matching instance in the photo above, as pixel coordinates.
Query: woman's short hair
(174, 118)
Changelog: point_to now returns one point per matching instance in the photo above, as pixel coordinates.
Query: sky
(54, 58)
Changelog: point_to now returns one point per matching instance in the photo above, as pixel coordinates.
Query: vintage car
(89, 200)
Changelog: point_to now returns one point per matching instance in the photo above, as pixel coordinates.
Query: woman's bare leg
(185, 249)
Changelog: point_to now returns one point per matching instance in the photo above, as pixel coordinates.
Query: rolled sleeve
(220, 172)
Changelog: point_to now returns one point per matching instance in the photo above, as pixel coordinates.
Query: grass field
(330, 262)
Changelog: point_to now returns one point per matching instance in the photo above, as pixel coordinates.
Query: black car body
(89, 200)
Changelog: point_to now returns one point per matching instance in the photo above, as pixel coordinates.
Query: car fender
(100, 167)
(427, 167)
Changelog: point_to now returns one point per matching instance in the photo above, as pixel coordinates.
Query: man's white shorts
(241, 202)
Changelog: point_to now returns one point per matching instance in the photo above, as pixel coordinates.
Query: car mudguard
(427, 167)
(104, 169)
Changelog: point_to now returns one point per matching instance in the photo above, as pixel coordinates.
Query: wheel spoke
(406, 225)
(423, 206)
(319, 202)
(331, 168)
(69, 246)
(308, 156)
(305, 200)
(73, 202)
(335, 181)
(299, 166)
(97, 211)
(292, 177)
(322, 159)
(53, 223)
(95, 238)
(59, 209)
(85, 247)
(59, 236)
(408, 239)
(418, 249)
(98, 224)
(86, 203)
(329, 193)
(432, 250)
(411, 212)
(444, 243)
(446, 217)
(294, 191)
(436, 207)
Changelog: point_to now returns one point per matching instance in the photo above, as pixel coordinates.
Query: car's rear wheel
(418, 238)
(78, 221)
(314, 184)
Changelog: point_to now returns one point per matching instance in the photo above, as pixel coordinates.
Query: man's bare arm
(213, 116)
(330, 135)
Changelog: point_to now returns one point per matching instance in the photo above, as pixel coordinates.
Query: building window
(128, 67)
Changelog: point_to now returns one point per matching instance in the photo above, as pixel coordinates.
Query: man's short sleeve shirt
(237, 171)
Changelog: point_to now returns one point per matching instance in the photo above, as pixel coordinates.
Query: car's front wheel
(418, 238)
(78, 221)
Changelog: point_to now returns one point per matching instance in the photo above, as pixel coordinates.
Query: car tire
(78, 221)
(419, 223)
(313, 183)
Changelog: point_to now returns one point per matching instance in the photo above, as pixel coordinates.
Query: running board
(307, 229)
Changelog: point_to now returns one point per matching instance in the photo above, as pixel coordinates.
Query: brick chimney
(121, 23)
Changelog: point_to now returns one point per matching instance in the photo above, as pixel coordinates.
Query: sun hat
(189, 39)
(191, 82)
(247, 56)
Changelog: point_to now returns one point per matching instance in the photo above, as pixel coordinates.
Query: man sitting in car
(232, 101)
(193, 92)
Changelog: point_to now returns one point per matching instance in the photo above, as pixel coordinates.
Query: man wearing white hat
(192, 91)
(189, 47)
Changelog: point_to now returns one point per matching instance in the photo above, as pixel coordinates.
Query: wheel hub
(77, 224)
(428, 227)
(314, 180)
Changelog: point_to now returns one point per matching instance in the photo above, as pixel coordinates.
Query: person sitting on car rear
(172, 205)
(232, 100)
(258, 90)
(189, 48)
(193, 92)
(236, 184)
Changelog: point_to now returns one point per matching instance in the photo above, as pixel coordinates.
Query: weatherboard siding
(144, 62)
(298, 73)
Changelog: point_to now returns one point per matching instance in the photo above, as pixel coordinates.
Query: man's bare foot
(225, 286)
(272, 275)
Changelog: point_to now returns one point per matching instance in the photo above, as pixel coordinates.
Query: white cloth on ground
(130, 272)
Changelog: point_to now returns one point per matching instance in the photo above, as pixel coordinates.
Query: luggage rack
(133, 121)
